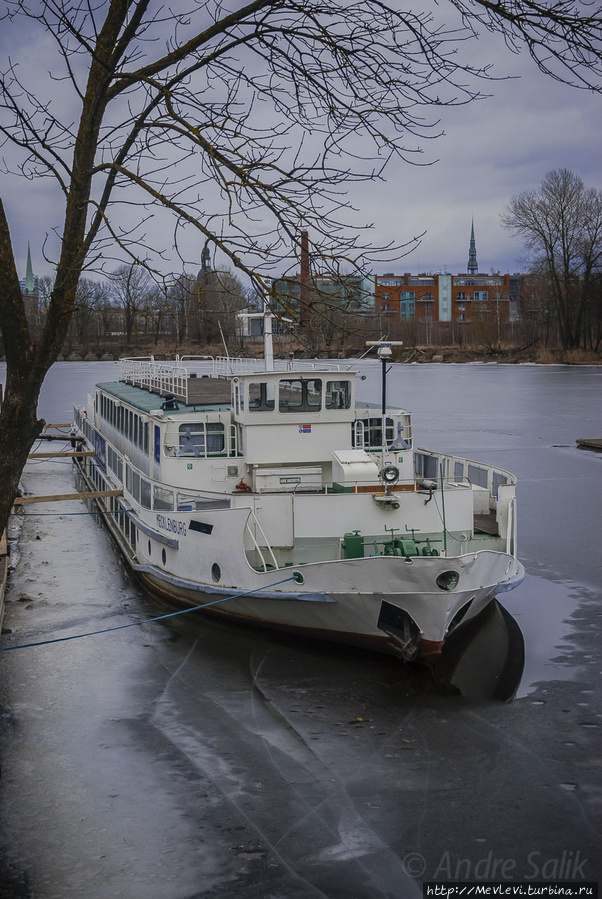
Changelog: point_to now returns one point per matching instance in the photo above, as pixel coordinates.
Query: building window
(481, 295)
(406, 309)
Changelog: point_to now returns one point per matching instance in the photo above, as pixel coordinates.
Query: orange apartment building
(442, 297)
(450, 298)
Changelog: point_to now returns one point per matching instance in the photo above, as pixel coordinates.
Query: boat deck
(486, 524)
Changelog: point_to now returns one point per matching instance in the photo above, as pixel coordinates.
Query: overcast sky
(490, 151)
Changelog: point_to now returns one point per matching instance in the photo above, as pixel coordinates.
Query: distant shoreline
(442, 355)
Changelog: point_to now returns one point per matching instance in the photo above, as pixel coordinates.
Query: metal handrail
(256, 544)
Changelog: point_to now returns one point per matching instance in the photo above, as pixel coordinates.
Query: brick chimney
(304, 288)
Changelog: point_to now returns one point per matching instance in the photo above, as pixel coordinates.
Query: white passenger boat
(266, 492)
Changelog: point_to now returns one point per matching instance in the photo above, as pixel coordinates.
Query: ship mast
(268, 344)
(384, 353)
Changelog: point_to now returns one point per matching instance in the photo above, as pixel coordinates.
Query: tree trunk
(19, 428)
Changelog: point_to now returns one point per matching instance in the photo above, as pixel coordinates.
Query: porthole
(216, 572)
(164, 557)
(448, 580)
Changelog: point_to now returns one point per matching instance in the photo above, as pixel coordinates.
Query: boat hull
(406, 618)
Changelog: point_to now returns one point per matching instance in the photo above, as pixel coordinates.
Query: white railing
(253, 518)
(457, 469)
(172, 377)
(159, 377)
(228, 365)
(511, 528)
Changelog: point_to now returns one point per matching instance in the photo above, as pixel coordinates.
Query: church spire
(30, 284)
(473, 265)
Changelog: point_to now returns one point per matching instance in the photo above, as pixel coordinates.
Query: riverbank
(253, 347)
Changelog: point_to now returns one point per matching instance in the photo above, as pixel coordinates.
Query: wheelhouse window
(338, 394)
(262, 396)
(296, 395)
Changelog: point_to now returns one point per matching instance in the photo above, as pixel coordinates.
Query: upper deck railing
(173, 377)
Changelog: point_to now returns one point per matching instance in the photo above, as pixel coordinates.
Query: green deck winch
(353, 545)
(408, 546)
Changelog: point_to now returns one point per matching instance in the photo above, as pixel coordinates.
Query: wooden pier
(590, 443)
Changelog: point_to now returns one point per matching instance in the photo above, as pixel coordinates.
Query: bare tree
(90, 297)
(237, 124)
(561, 225)
(181, 299)
(129, 287)
(220, 297)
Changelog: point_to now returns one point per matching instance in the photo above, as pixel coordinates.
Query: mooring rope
(120, 627)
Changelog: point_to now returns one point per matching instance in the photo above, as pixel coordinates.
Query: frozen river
(184, 759)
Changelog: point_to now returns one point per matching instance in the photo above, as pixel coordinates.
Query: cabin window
(239, 402)
(201, 438)
(145, 494)
(115, 463)
(136, 486)
(295, 395)
(162, 499)
(426, 466)
(338, 394)
(498, 481)
(262, 396)
(477, 475)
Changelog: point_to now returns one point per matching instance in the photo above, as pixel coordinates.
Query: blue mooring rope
(120, 627)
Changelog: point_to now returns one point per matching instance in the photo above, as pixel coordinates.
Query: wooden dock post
(70, 454)
(63, 497)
